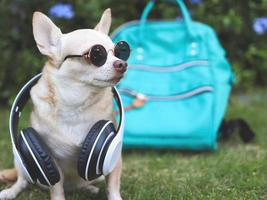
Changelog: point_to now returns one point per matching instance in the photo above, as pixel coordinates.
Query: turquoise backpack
(177, 85)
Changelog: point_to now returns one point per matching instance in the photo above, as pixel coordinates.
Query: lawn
(235, 171)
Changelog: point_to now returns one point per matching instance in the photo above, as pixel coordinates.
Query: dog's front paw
(93, 189)
(7, 194)
(114, 197)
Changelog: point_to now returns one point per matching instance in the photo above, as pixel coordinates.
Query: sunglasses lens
(122, 50)
(98, 55)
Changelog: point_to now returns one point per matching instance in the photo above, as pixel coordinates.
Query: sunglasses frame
(86, 55)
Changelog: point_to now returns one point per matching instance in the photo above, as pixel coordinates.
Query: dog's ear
(46, 34)
(105, 22)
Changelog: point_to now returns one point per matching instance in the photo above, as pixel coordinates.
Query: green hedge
(233, 21)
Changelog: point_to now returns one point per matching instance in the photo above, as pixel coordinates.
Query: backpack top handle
(184, 11)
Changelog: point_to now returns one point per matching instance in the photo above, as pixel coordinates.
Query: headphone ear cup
(37, 157)
(94, 149)
(27, 158)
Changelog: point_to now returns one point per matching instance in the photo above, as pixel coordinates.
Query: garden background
(241, 26)
(235, 171)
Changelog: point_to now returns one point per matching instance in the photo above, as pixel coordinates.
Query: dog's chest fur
(63, 115)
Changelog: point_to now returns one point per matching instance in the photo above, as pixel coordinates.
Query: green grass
(235, 171)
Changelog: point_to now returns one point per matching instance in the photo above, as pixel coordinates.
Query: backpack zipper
(184, 95)
(140, 99)
(180, 67)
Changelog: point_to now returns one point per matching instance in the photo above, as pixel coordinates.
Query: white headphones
(98, 156)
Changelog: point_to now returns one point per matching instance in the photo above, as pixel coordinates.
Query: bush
(233, 21)
(245, 44)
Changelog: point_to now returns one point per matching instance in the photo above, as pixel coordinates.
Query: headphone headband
(24, 95)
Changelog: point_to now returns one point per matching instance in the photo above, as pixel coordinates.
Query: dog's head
(57, 46)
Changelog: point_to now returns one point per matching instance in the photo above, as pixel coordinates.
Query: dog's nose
(120, 66)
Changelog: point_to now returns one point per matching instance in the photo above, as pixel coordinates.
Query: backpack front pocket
(167, 80)
(170, 116)
(174, 102)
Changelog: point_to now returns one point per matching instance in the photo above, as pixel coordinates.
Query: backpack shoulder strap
(229, 127)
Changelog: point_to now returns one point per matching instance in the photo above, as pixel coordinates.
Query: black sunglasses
(97, 54)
